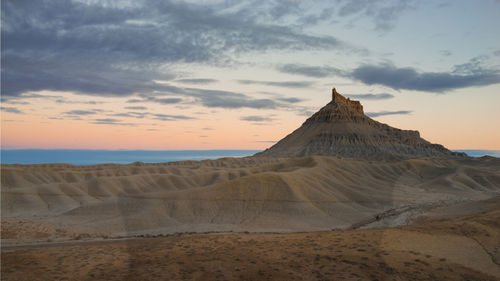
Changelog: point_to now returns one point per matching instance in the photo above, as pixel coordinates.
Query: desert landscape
(343, 197)
(445, 246)
(250, 140)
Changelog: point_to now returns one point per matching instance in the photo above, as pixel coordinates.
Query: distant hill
(341, 128)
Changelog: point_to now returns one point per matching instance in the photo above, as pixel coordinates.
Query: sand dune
(247, 194)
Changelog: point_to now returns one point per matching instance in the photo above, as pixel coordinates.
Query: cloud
(130, 114)
(135, 101)
(136, 107)
(156, 99)
(471, 73)
(197, 81)
(325, 14)
(65, 101)
(285, 84)
(256, 118)
(12, 101)
(107, 120)
(290, 100)
(384, 14)
(155, 116)
(408, 78)
(22, 73)
(165, 100)
(96, 48)
(111, 121)
(384, 113)
(21, 99)
(211, 98)
(381, 96)
(224, 99)
(11, 110)
(31, 96)
(167, 117)
(310, 71)
(80, 112)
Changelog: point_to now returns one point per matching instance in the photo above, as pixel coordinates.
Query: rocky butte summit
(341, 128)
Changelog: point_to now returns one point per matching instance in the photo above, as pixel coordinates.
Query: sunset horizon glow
(188, 75)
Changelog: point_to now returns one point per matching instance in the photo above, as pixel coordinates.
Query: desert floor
(444, 245)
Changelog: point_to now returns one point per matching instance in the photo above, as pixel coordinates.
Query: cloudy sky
(151, 74)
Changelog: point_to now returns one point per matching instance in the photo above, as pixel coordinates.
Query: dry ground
(458, 237)
(440, 247)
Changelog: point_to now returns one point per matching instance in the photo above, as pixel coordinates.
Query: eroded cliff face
(353, 105)
(338, 110)
(341, 128)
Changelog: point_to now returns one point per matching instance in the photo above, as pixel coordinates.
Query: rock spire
(341, 128)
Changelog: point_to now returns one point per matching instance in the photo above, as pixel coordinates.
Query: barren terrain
(317, 217)
(59, 201)
(441, 246)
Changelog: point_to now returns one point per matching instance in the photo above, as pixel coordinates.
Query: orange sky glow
(195, 75)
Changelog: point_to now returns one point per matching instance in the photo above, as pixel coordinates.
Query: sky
(173, 75)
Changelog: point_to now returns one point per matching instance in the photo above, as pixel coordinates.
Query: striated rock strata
(341, 128)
